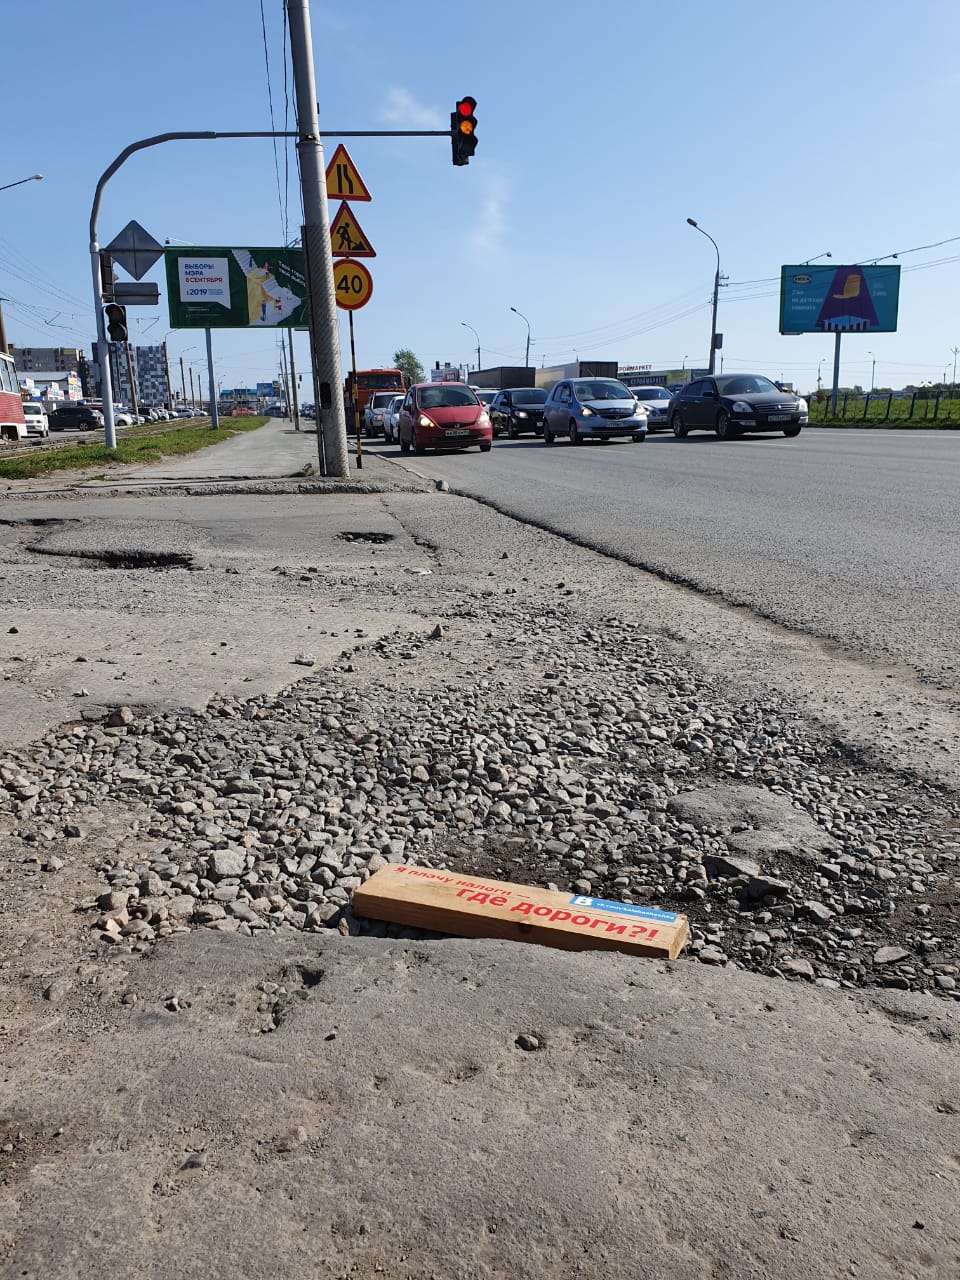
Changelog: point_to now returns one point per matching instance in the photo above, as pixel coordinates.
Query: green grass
(876, 412)
(147, 442)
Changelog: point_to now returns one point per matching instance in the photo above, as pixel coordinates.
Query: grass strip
(131, 448)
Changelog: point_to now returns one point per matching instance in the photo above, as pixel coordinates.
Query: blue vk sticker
(625, 909)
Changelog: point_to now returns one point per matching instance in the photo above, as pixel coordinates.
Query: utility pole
(318, 250)
(295, 409)
(193, 398)
(954, 350)
(835, 395)
(133, 385)
(183, 385)
(3, 332)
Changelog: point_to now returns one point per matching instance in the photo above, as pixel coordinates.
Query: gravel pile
(584, 759)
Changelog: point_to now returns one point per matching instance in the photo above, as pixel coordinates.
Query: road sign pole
(212, 385)
(295, 402)
(319, 258)
(836, 374)
(353, 393)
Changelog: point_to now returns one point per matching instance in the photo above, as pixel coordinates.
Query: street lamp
(873, 368)
(716, 292)
(683, 367)
(34, 177)
(814, 258)
(476, 335)
(526, 362)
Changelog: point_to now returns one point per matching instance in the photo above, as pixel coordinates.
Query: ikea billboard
(839, 299)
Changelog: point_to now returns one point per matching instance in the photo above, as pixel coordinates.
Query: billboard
(839, 299)
(236, 288)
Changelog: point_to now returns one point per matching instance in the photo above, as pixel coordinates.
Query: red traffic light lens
(467, 106)
(114, 311)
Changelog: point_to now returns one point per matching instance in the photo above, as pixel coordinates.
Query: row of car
(454, 415)
(88, 416)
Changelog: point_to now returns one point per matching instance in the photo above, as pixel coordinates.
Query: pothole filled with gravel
(547, 752)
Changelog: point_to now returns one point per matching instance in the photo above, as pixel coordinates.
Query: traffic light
(463, 130)
(116, 322)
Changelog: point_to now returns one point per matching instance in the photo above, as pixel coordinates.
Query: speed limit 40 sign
(353, 284)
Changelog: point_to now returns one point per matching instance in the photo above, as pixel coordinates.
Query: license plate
(778, 417)
(457, 431)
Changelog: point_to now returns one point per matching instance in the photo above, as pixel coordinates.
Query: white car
(37, 422)
(391, 420)
(122, 419)
(657, 402)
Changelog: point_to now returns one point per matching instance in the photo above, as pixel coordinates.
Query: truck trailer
(576, 369)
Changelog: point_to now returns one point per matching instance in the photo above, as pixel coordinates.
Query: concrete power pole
(324, 327)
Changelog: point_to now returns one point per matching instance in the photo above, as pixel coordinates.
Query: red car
(443, 415)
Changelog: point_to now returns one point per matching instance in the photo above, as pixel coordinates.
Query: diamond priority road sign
(135, 250)
(231, 288)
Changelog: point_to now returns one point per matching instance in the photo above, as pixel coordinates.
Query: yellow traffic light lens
(466, 126)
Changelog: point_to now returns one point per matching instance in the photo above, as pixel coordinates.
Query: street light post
(807, 262)
(476, 335)
(34, 177)
(526, 362)
(716, 293)
(873, 369)
(953, 384)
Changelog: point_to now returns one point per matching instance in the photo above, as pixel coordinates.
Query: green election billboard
(236, 288)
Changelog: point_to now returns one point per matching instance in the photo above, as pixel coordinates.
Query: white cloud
(403, 110)
(487, 236)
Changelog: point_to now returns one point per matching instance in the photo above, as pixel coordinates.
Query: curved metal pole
(716, 293)
(523, 317)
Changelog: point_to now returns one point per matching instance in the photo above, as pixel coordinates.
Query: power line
(273, 125)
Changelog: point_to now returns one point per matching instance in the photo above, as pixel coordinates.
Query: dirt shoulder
(358, 1101)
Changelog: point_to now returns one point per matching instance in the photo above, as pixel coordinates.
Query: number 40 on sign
(352, 284)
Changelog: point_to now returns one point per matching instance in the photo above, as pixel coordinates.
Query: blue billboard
(839, 299)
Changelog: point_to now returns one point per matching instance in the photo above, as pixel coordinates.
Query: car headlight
(586, 412)
(520, 414)
(484, 419)
(741, 406)
(802, 406)
(640, 411)
(424, 421)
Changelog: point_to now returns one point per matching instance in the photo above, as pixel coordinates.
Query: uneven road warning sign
(352, 283)
(452, 903)
(346, 236)
(343, 179)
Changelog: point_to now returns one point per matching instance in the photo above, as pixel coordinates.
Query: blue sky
(786, 130)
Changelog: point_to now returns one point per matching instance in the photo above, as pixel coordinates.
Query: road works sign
(343, 178)
(352, 283)
(839, 299)
(453, 903)
(236, 288)
(346, 236)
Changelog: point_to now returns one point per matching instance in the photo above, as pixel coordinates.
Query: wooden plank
(448, 902)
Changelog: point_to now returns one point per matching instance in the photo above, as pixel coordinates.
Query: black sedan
(517, 410)
(735, 403)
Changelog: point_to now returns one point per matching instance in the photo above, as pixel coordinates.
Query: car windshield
(381, 401)
(601, 391)
(529, 395)
(485, 396)
(650, 393)
(447, 398)
(743, 384)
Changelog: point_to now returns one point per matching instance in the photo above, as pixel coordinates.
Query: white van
(37, 422)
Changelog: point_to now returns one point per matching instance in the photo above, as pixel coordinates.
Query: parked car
(443, 415)
(593, 409)
(391, 420)
(735, 403)
(38, 423)
(121, 418)
(75, 417)
(374, 412)
(657, 402)
(517, 410)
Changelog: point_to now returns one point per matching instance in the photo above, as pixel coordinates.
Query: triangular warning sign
(343, 180)
(347, 237)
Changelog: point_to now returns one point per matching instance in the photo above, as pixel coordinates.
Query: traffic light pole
(203, 135)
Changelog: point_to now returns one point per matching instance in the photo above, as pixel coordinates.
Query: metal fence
(940, 406)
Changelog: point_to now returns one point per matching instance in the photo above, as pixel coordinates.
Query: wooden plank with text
(449, 902)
